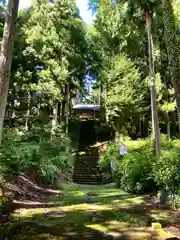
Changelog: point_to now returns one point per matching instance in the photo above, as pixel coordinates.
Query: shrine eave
(87, 107)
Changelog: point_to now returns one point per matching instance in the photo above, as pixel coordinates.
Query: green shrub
(112, 153)
(134, 172)
(174, 200)
(167, 169)
(140, 171)
(37, 152)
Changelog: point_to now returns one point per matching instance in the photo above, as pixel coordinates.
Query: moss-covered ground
(88, 212)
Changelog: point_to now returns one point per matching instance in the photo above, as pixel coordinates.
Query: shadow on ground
(119, 216)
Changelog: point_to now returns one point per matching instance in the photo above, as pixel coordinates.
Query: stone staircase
(86, 168)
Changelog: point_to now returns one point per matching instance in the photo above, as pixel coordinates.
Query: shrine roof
(93, 107)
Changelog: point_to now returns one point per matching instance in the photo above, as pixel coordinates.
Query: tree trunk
(6, 56)
(172, 50)
(55, 117)
(60, 112)
(27, 111)
(102, 102)
(155, 123)
(140, 128)
(67, 107)
(168, 127)
(11, 114)
(117, 133)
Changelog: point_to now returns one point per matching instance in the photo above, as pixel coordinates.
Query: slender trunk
(60, 112)
(39, 108)
(155, 123)
(172, 50)
(140, 128)
(63, 110)
(27, 111)
(6, 56)
(105, 105)
(55, 117)
(168, 127)
(12, 108)
(117, 133)
(102, 102)
(67, 107)
(77, 100)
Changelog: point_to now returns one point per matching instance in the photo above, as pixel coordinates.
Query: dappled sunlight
(133, 234)
(109, 225)
(122, 229)
(136, 234)
(163, 216)
(121, 216)
(28, 213)
(87, 207)
(112, 192)
(98, 227)
(128, 201)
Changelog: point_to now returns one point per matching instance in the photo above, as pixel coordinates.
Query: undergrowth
(139, 171)
(38, 152)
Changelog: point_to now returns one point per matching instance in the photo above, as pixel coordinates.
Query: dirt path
(87, 212)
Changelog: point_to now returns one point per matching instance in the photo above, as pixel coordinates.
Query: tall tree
(172, 49)
(6, 56)
(129, 12)
(52, 56)
(155, 121)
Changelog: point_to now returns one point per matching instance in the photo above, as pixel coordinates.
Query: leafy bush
(174, 200)
(140, 171)
(167, 169)
(134, 172)
(37, 152)
(112, 153)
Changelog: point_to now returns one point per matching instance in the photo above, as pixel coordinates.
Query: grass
(88, 212)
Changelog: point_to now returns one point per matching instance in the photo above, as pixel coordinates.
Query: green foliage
(121, 31)
(56, 35)
(112, 153)
(36, 152)
(134, 172)
(114, 42)
(125, 91)
(139, 171)
(167, 169)
(174, 200)
(49, 54)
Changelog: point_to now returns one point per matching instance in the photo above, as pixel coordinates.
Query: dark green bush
(140, 171)
(167, 169)
(112, 153)
(37, 152)
(134, 172)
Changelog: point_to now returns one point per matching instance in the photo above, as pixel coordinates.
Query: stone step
(87, 159)
(78, 169)
(87, 181)
(86, 175)
(86, 168)
(87, 164)
(82, 169)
